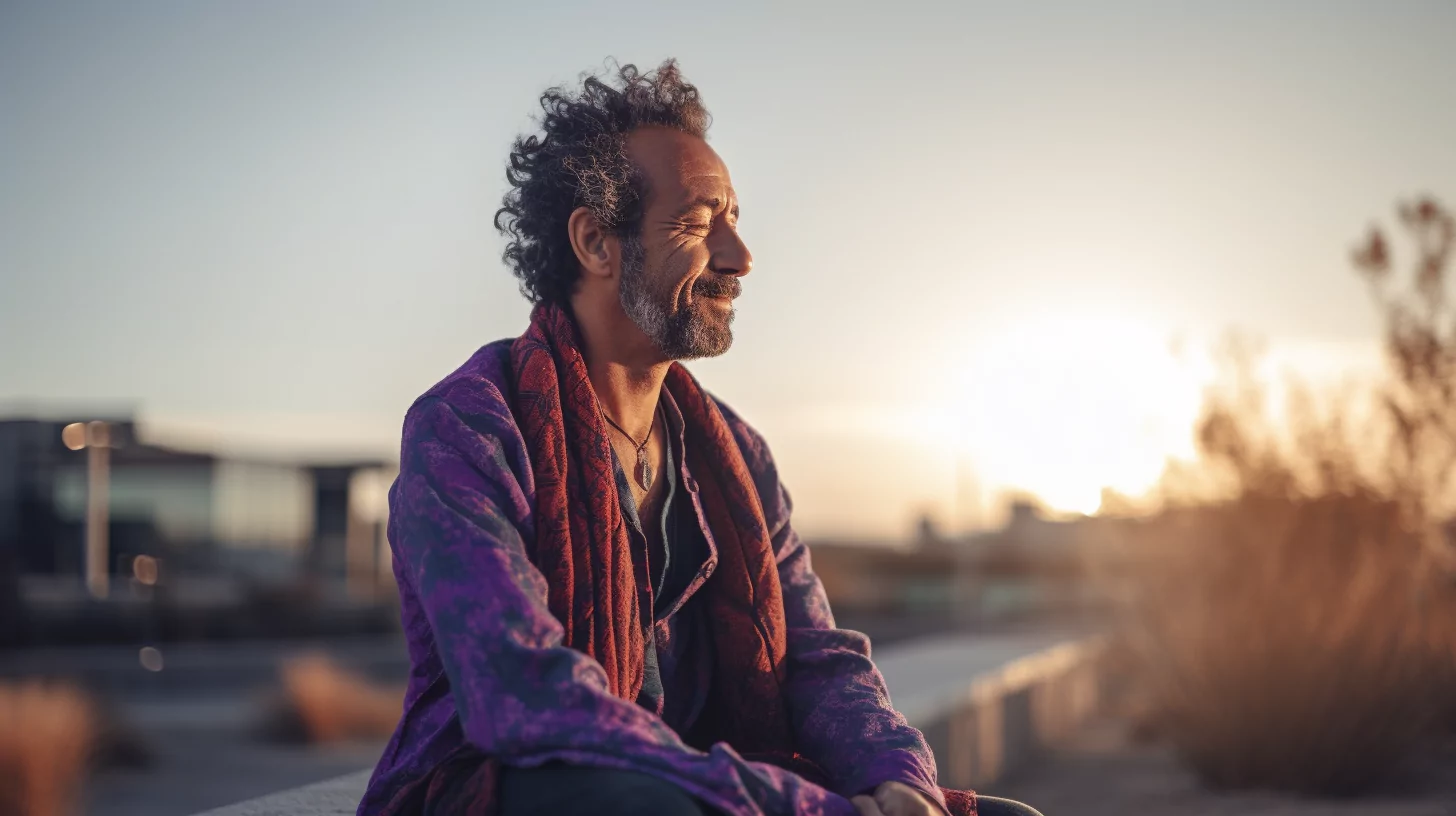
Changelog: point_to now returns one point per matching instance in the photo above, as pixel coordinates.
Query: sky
(981, 230)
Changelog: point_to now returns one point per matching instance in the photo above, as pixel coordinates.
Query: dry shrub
(46, 735)
(331, 704)
(1295, 628)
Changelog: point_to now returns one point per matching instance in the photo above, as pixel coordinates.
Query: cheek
(681, 273)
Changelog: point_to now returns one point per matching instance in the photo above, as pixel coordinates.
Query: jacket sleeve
(459, 512)
(842, 715)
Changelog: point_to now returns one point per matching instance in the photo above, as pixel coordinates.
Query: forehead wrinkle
(701, 181)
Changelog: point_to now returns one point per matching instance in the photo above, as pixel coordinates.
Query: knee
(996, 806)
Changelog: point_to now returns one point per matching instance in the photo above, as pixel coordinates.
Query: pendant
(644, 470)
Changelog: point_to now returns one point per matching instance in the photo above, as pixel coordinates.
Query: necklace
(644, 467)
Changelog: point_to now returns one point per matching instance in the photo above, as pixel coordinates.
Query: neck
(625, 367)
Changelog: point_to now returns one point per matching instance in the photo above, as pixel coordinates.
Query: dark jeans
(574, 791)
(565, 790)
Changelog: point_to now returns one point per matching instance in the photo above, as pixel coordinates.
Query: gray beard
(678, 334)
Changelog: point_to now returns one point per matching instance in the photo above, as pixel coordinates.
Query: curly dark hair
(581, 161)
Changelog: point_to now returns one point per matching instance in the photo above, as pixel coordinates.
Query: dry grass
(46, 738)
(330, 704)
(1268, 671)
(1297, 630)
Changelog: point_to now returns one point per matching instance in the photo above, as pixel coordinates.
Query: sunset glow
(1063, 406)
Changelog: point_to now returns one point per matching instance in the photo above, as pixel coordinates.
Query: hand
(896, 799)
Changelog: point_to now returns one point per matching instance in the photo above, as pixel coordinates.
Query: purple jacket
(489, 673)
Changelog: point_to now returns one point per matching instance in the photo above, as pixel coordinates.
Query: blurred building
(203, 512)
(1033, 566)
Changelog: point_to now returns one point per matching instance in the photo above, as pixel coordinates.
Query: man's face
(680, 276)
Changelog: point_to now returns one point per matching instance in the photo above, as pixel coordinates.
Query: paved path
(217, 668)
(1102, 773)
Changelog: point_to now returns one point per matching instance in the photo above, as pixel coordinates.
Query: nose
(730, 255)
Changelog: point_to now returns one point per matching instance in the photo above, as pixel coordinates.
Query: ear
(598, 251)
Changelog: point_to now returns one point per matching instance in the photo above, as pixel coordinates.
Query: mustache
(724, 286)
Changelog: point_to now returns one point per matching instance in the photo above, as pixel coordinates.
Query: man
(607, 608)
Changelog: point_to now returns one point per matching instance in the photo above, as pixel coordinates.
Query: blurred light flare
(74, 435)
(151, 658)
(144, 570)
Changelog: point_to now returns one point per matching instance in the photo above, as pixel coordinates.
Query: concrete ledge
(1023, 695)
(332, 797)
(1005, 718)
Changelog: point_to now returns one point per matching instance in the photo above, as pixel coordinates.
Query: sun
(1062, 407)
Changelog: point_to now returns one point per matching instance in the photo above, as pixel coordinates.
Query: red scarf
(582, 548)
